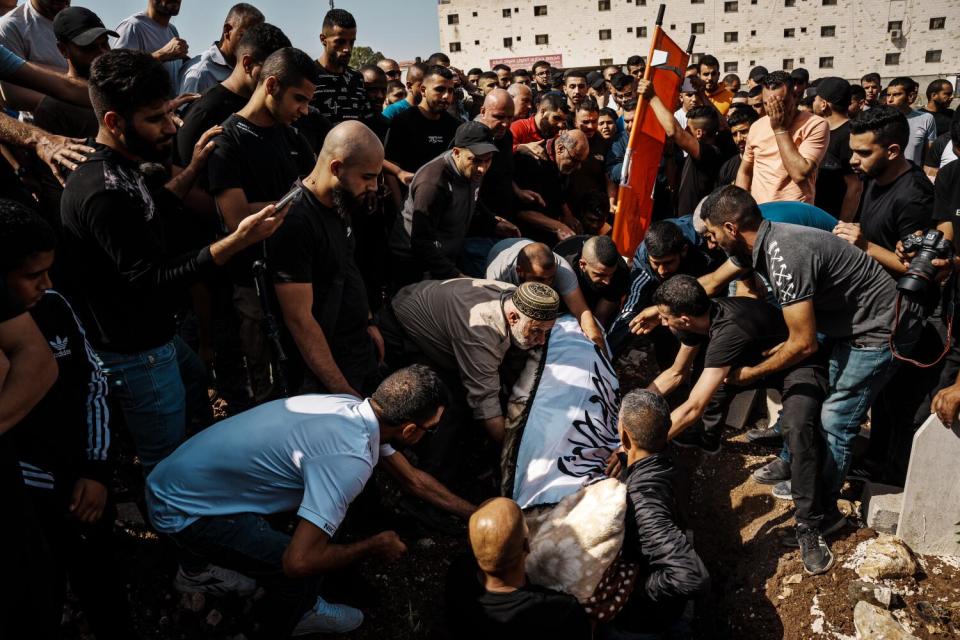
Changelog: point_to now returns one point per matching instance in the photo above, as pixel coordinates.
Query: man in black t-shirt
(739, 120)
(898, 197)
(128, 265)
(492, 597)
(339, 92)
(222, 100)
(421, 133)
(838, 187)
(318, 284)
(256, 161)
(939, 97)
(602, 274)
(737, 332)
(698, 139)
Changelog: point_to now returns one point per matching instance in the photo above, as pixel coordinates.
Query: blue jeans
(152, 388)
(247, 543)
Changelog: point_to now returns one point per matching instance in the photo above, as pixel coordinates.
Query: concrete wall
(860, 44)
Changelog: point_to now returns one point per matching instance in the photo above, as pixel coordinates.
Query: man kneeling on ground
(311, 453)
(671, 572)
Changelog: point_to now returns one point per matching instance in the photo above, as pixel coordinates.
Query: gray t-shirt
(923, 131)
(141, 33)
(502, 266)
(853, 297)
(29, 35)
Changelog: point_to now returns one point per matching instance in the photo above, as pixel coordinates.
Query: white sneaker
(326, 617)
(215, 580)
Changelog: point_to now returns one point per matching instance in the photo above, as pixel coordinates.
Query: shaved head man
(572, 150)
(391, 68)
(500, 602)
(319, 245)
(536, 263)
(522, 100)
(497, 112)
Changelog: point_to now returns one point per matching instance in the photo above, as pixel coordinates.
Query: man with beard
(901, 94)
(257, 158)
(318, 284)
(784, 148)
(312, 454)
(939, 97)
(838, 189)
(390, 68)
(522, 101)
(27, 31)
(739, 122)
(871, 85)
(550, 118)
(719, 96)
(128, 266)
(575, 89)
(827, 286)
(541, 77)
(464, 328)
(602, 274)
(553, 220)
(340, 95)
(414, 86)
(375, 86)
(215, 64)
(151, 32)
(504, 75)
(442, 209)
(592, 174)
(858, 98)
(420, 134)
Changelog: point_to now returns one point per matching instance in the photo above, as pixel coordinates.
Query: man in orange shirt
(719, 95)
(784, 148)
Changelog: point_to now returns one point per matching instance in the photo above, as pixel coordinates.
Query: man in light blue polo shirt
(311, 454)
(215, 65)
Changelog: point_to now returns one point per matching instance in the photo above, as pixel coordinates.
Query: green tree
(364, 55)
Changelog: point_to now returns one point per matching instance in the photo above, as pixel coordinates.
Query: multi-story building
(828, 37)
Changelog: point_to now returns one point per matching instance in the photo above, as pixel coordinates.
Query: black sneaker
(768, 437)
(814, 551)
(694, 438)
(860, 472)
(773, 472)
(782, 491)
(790, 539)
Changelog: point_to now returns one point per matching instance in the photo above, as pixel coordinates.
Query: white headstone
(931, 497)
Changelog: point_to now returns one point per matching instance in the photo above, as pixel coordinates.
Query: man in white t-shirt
(152, 33)
(311, 454)
(901, 94)
(28, 32)
(519, 260)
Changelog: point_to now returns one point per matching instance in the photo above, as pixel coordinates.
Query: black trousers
(804, 388)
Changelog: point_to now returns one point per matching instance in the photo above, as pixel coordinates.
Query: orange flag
(665, 67)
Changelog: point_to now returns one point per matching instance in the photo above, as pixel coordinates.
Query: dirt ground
(759, 590)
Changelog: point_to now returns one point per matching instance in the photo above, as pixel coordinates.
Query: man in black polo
(339, 94)
(318, 284)
(421, 133)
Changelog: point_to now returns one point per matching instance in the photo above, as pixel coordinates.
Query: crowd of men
(355, 258)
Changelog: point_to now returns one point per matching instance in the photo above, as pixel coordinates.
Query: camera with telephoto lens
(922, 274)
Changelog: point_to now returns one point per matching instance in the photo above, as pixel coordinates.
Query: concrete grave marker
(931, 497)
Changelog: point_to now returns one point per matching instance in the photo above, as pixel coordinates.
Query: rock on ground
(888, 557)
(874, 623)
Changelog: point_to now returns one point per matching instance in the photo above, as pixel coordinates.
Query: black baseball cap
(80, 26)
(595, 80)
(834, 90)
(475, 137)
(800, 75)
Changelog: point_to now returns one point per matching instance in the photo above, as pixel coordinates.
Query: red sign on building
(525, 62)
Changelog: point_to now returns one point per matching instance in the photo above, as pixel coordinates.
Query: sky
(401, 29)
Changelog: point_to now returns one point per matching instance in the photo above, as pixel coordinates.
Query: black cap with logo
(834, 90)
(476, 137)
(80, 26)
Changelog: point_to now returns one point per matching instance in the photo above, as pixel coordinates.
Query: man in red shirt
(550, 119)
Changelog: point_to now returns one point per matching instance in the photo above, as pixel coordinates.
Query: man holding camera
(826, 286)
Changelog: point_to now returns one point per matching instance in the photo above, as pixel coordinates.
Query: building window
(828, 32)
(696, 27)
(895, 25)
(506, 13)
(641, 32)
(753, 32)
(606, 61)
(604, 34)
(933, 55)
(507, 43)
(603, 5)
(731, 7)
(454, 47)
(937, 23)
(476, 43)
(641, 3)
(803, 29)
(731, 36)
(802, 60)
(474, 14)
(540, 10)
(543, 38)
(629, 29)
(826, 62)
(789, 33)
(829, 3)
(696, 1)
(789, 3)
(453, 18)
(753, 1)
(891, 59)
(729, 67)
(788, 64)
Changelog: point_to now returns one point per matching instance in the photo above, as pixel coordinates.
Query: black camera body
(921, 275)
